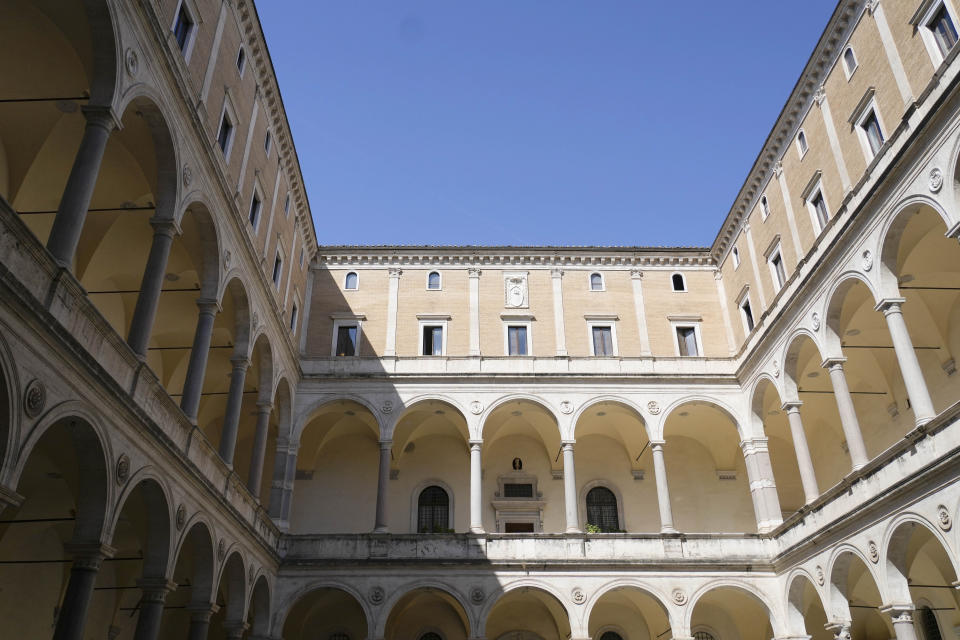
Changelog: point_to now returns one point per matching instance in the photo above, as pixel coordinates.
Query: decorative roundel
(566, 407)
(873, 552)
(387, 406)
(376, 595)
(820, 577)
(34, 398)
(653, 407)
(181, 517)
(867, 262)
(936, 179)
(476, 407)
(222, 549)
(679, 596)
(943, 518)
(477, 596)
(815, 321)
(131, 61)
(123, 468)
(579, 597)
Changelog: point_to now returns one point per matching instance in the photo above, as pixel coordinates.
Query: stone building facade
(212, 427)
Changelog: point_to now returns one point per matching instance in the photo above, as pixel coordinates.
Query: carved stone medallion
(131, 62)
(579, 597)
(566, 407)
(776, 368)
(187, 175)
(123, 468)
(221, 549)
(943, 518)
(477, 596)
(515, 290)
(679, 597)
(227, 256)
(867, 261)
(815, 321)
(181, 517)
(820, 577)
(476, 407)
(387, 406)
(936, 179)
(653, 407)
(376, 596)
(873, 552)
(34, 398)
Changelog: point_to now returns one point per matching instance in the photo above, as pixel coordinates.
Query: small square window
(277, 270)
(267, 142)
(687, 343)
(351, 281)
(736, 258)
(432, 340)
(241, 60)
(517, 340)
(347, 340)
(596, 282)
(255, 206)
(802, 145)
(183, 27)
(293, 317)
(678, 282)
(602, 340)
(433, 281)
(225, 134)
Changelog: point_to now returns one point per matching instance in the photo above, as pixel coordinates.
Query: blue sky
(610, 122)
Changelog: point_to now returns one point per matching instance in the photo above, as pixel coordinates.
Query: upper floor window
(183, 27)
(351, 281)
(433, 510)
(849, 61)
(602, 509)
(870, 130)
(736, 258)
(802, 145)
(347, 336)
(602, 340)
(300, 260)
(688, 340)
(596, 282)
(432, 339)
(294, 313)
(819, 206)
(241, 60)
(225, 133)
(746, 313)
(678, 282)
(277, 269)
(777, 270)
(433, 281)
(940, 29)
(764, 207)
(267, 142)
(518, 339)
(255, 207)
(286, 205)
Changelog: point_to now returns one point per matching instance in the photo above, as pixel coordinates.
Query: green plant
(593, 528)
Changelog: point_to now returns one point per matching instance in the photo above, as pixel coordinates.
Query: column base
(380, 530)
(573, 530)
(669, 530)
(477, 530)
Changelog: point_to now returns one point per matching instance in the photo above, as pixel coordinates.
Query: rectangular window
(225, 134)
(255, 206)
(432, 340)
(944, 32)
(286, 205)
(870, 126)
(776, 269)
(277, 270)
(517, 340)
(267, 142)
(347, 340)
(602, 340)
(301, 258)
(182, 27)
(517, 490)
(746, 314)
(687, 341)
(241, 60)
(820, 209)
(293, 317)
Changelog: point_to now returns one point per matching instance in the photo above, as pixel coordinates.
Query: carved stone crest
(476, 407)
(477, 596)
(387, 406)
(515, 290)
(936, 179)
(226, 257)
(873, 552)
(566, 407)
(181, 517)
(34, 398)
(776, 368)
(678, 596)
(256, 319)
(867, 261)
(376, 596)
(820, 577)
(123, 468)
(815, 320)
(131, 62)
(250, 575)
(820, 95)
(221, 549)
(579, 597)
(943, 518)
(653, 407)
(187, 175)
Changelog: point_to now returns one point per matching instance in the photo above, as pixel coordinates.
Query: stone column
(663, 492)
(570, 488)
(231, 419)
(87, 559)
(848, 415)
(557, 275)
(380, 525)
(907, 359)
(393, 296)
(811, 490)
(840, 630)
(259, 447)
(9, 498)
(763, 488)
(200, 620)
(474, 275)
(476, 488)
(197, 368)
(154, 594)
(901, 615)
(235, 630)
(72, 212)
(150, 286)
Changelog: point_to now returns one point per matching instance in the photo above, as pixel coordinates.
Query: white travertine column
(788, 203)
(848, 414)
(153, 596)
(901, 615)
(231, 418)
(200, 620)
(890, 48)
(820, 97)
(570, 488)
(636, 278)
(557, 275)
(476, 487)
(72, 212)
(197, 367)
(393, 297)
(907, 359)
(763, 488)
(255, 475)
(383, 477)
(474, 275)
(811, 491)
(151, 286)
(663, 491)
(87, 560)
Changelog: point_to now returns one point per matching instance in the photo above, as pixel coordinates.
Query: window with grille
(610, 635)
(430, 635)
(602, 509)
(433, 510)
(518, 490)
(928, 624)
(703, 635)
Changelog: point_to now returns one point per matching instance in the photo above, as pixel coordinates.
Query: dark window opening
(432, 341)
(602, 509)
(182, 27)
(517, 490)
(347, 341)
(433, 510)
(518, 527)
(678, 284)
(602, 341)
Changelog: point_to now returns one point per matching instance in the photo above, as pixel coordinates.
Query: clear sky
(566, 122)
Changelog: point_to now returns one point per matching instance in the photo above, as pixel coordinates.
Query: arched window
(928, 625)
(602, 509)
(764, 207)
(596, 282)
(703, 635)
(351, 281)
(736, 257)
(802, 143)
(433, 280)
(610, 635)
(678, 282)
(433, 510)
(850, 61)
(430, 635)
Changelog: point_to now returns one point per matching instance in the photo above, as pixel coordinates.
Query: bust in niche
(517, 464)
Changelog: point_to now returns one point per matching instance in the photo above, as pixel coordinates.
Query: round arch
(648, 595)
(835, 298)
(259, 607)
(517, 397)
(313, 599)
(9, 410)
(891, 235)
(789, 361)
(542, 591)
(743, 594)
(838, 595)
(899, 554)
(798, 603)
(310, 412)
(715, 403)
(159, 542)
(408, 593)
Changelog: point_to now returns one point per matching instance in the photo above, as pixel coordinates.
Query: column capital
(890, 305)
(636, 274)
(657, 443)
(899, 613)
(240, 362)
(156, 589)
(208, 306)
(386, 444)
(567, 444)
(820, 95)
(202, 612)
(101, 116)
(556, 272)
(10, 497)
(872, 5)
(89, 555)
(791, 406)
(475, 443)
(841, 630)
(833, 363)
(235, 630)
(474, 272)
(165, 227)
(394, 272)
(751, 446)
(264, 406)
